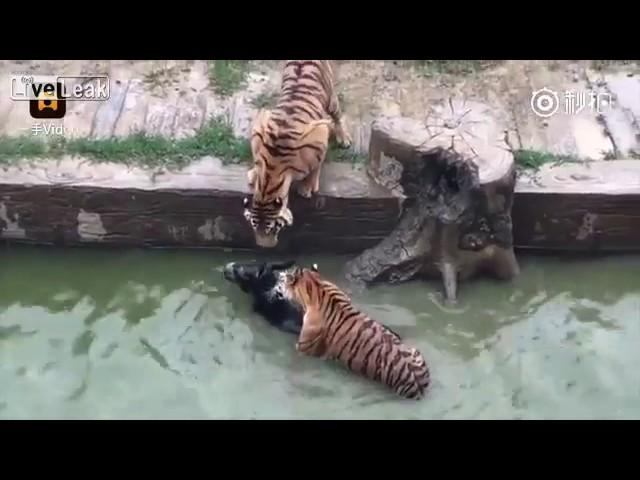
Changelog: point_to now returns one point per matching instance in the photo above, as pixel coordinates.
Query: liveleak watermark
(48, 94)
(546, 102)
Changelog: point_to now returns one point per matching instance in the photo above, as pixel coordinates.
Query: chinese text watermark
(546, 102)
(50, 129)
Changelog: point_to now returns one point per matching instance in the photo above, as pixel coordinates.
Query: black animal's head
(255, 276)
(260, 280)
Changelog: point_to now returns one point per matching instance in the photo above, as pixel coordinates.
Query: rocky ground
(175, 98)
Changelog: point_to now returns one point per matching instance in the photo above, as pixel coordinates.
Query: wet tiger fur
(332, 327)
(289, 144)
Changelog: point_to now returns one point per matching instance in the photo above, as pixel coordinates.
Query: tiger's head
(297, 283)
(267, 220)
(267, 211)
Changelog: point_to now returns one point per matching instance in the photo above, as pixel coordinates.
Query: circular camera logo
(544, 102)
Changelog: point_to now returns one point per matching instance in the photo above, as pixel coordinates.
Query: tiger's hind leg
(339, 127)
(314, 156)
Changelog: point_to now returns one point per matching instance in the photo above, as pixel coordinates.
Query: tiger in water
(289, 143)
(333, 328)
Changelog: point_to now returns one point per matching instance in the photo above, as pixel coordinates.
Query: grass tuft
(533, 159)
(215, 138)
(339, 154)
(162, 78)
(228, 76)
(453, 67)
(26, 146)
(266, 100)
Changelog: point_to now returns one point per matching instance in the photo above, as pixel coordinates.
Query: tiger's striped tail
(420, 376)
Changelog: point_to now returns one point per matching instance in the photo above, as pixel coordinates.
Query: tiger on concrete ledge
(333, 328)
(289, 144)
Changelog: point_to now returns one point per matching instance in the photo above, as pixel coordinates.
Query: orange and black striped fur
(289, 144)
(332, 327)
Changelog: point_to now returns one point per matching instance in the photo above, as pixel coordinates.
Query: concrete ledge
(594, 207)
(581, 207)
(73, 202)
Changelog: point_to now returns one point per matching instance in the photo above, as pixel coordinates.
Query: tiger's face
(292, 282)
(267, 219)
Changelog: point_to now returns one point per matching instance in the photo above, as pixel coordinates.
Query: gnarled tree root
(458, 179)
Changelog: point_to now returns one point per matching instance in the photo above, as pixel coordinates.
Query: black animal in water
(258, 280)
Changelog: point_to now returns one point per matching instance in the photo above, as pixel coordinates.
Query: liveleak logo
(48, 94)
(49, 103)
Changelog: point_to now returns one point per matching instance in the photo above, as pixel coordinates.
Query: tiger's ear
(296, 274)
(314, 267)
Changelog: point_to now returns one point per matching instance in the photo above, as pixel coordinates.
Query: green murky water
(111, 334)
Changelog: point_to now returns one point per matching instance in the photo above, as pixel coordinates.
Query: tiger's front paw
(287, 216)
(251, 178)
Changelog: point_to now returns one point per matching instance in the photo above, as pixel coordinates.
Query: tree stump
(457, 177)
